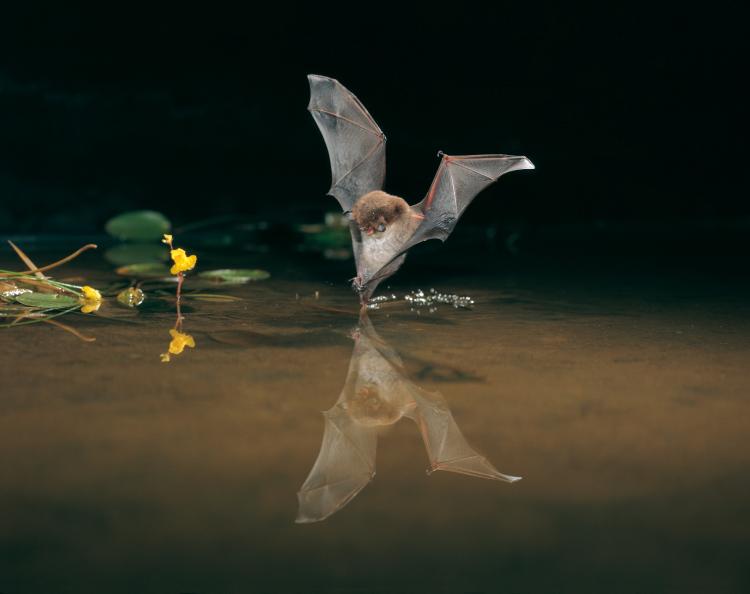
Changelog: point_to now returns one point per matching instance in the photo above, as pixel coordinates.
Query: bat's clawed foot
(359, 288)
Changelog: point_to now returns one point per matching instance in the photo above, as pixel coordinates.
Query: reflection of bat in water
(383, 226)
(377, 394)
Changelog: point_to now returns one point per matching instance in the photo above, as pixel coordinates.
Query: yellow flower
(167, 239)
(91, 299)
(180, 340)
(165, 357)
(182, 261)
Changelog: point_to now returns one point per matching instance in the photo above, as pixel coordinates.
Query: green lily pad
(125, 253)
(138, 225)
(47, 300)
(235, 275)
(144, 270)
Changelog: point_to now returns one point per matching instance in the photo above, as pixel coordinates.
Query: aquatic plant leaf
(235, 275)
(126, 253)
(144, 270)
(138, 225)
(47, 300)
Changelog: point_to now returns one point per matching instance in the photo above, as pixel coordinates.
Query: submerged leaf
(138, 225)
(47, 300)
(144, 270)
(125, 253)
(235, 275)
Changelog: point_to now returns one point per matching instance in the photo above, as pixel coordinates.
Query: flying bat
(383, 226)
(377, 394)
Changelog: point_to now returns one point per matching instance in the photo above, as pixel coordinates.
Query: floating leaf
(131, 297)
(235, 275)
(138, 225)
(47, 300)
(125, 253)
(144, 270)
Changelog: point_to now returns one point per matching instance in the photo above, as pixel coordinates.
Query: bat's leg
(363, 299)
(361, 290)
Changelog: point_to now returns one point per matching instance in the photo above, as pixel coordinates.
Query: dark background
(630, 114)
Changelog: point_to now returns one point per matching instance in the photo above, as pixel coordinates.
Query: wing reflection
(377, 394)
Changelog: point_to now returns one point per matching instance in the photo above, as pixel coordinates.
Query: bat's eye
(381, 228)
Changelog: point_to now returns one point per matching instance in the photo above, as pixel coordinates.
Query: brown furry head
(376, 211)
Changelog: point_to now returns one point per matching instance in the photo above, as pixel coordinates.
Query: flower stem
(180, 278)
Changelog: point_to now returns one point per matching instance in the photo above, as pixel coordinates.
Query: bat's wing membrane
(446, 446)
(345, 465)
(356, 145)
(457, 181)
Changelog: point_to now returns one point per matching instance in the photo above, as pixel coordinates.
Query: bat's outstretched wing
(356, 145)
(447, 448)
(345, 465)
(457, 181)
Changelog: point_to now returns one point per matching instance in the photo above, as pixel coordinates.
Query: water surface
(619, 395)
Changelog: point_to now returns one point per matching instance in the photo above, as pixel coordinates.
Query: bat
(377, 394)
(383, 226)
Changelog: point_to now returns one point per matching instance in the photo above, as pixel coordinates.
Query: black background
(630, 114)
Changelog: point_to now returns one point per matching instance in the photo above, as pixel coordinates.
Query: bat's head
(376, 211)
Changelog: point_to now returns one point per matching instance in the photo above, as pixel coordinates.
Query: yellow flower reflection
(182, 262)
(91, 300)
(179, 341)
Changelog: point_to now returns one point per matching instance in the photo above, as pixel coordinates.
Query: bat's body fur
(377, 210)
(386, 223)
(380, 396)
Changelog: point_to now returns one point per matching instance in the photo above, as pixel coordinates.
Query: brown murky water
(622, 401)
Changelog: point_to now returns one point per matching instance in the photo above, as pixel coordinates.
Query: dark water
(619, 393)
